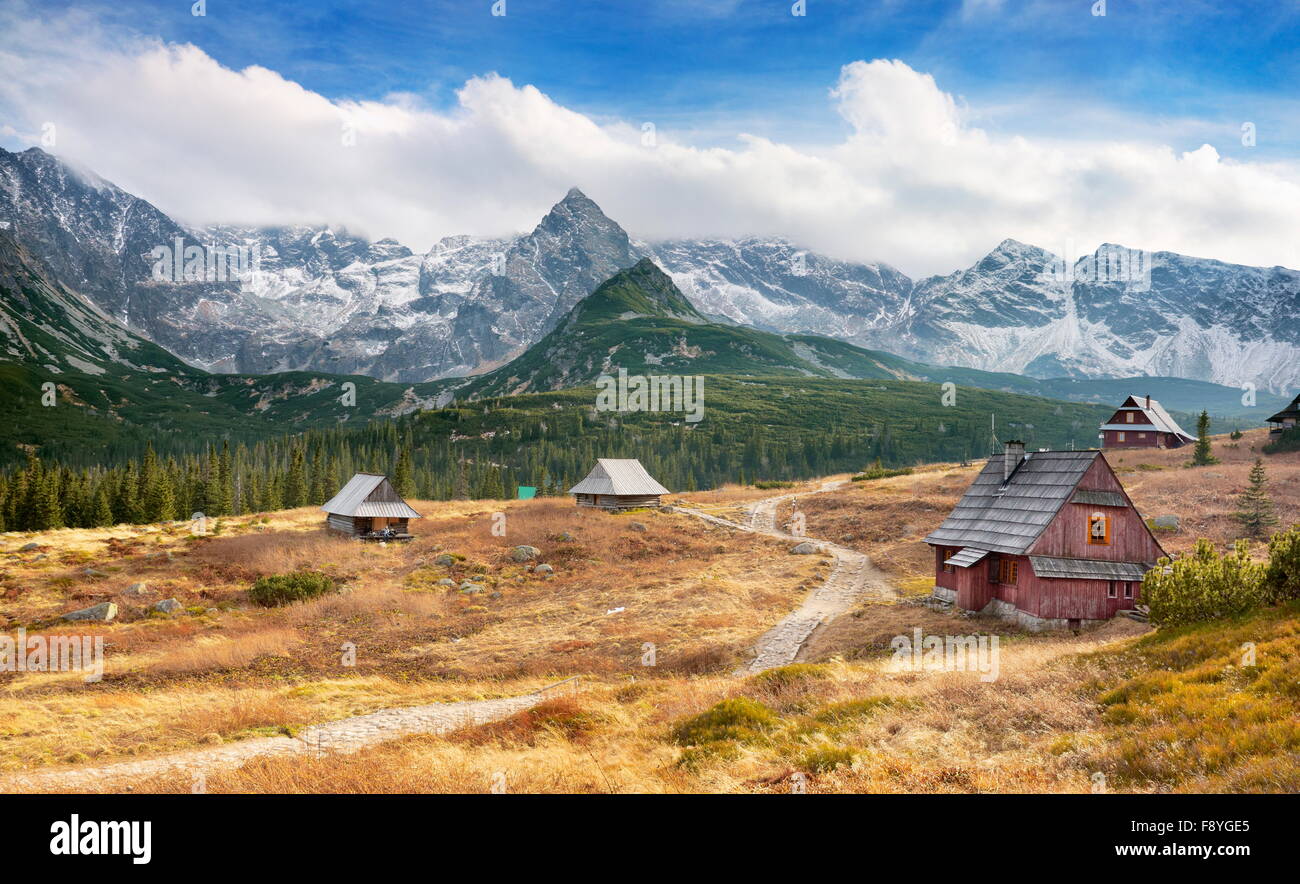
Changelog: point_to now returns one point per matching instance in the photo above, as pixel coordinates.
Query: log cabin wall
(1067, 535)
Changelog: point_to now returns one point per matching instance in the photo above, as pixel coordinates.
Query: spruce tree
(1202, 456)
(1255, 507)
(403, 480)
(295, 486)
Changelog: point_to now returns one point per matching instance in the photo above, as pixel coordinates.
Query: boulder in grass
(28, 547)
(102, 611)
(544, 570)
(445, 559)
(471, 588)
(166, 606)
(524, 553)
(446, 581)
(637, 526)
(1167, 523)
(806, 548)
(135, 590)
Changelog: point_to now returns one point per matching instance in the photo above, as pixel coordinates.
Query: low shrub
(788, 676)
(1203, 585)
(739, 719)
(877, 471)
(1282, 576)
(285, 589)
(824, 759)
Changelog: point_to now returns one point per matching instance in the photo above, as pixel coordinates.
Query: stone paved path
(346, 735)
(853, 578)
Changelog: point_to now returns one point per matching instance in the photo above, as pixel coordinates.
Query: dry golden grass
(699, 595)
(1062, 709)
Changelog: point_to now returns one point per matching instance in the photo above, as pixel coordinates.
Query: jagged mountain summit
(325, 300)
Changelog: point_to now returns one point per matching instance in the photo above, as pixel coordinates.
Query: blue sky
(1183, 72)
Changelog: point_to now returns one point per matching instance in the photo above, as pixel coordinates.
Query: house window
(1111, 592)
(1142, 435)
(994, 569)
(1119, 437)
(948, 554)
(1128, 590)
(1006, 571)
(1129, 417)
(1099, 529)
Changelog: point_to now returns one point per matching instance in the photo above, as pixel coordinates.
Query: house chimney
(1015, 453)
(1148, 401)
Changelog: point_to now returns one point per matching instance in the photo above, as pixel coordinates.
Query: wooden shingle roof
(369, 495)
(618, 476)
(1291, 411)
(1008, 519)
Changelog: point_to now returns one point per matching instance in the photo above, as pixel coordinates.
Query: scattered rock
(1169, 522)
(28, 547)
(471, 588)
(102, 611)
(545, 570)
(846, 538)
(806, 548)
(494, 595)
(135, 590)
(166, 606)
(444, 559)
(637, 526)
(566, 537)
(91, 572)
(667, 509)
(524, 553)
(446, 581)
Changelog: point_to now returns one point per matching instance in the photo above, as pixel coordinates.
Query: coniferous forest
(773, 429)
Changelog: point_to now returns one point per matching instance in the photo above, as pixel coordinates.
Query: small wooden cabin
(1286, 418)
(1141, 422)
(369, 508)
(1049, 539)
(618, 484)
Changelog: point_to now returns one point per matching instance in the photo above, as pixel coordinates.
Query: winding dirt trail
(852, 579)
(343, 736)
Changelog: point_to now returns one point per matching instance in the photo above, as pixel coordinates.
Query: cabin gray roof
(369, 495)
(1009, 519)
(1291, 411)
(1099, 498)
(1160, 419)
(618, 476)
(1051, 566)
(967, 557)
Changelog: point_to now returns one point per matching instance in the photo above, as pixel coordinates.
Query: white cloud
(912, 184)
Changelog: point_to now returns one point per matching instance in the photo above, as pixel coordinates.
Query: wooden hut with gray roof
(1049, 539)
(369, 508)
(618, 484)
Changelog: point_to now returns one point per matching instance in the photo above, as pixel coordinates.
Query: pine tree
(1203, 456)
(319, 481)
(295, 486)
(403, 480)
(1255, 507)
(47, 512)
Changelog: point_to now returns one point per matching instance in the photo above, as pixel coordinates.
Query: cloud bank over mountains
(912, 182)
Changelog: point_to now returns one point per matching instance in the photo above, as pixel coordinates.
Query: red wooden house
(1142, 422)
(1048, 539)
